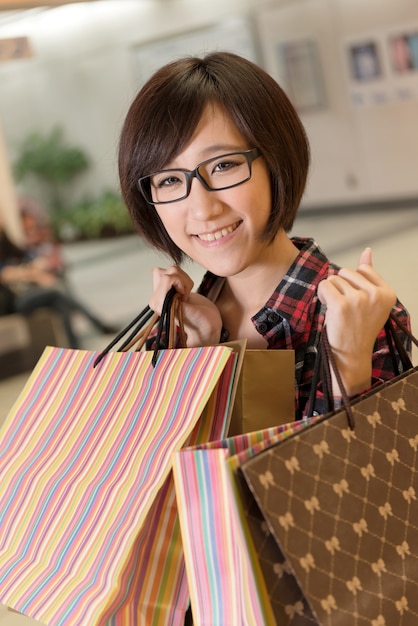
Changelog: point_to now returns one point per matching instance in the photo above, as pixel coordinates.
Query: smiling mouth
(218, 234)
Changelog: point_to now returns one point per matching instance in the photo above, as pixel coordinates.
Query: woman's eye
(167, 181)
(223, 166)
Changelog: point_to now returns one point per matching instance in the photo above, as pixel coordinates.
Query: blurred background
(68, 73)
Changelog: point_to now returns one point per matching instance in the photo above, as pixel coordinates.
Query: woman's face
(220, 230)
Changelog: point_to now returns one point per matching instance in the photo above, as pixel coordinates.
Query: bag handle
(325, 360)
(395, 344)
(144, 323)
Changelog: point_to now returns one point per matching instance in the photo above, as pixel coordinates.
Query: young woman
(213, 163)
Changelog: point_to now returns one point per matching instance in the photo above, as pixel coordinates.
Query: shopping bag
(263, 391)
(340, 498)
(85, 462)
(265, 394)
(226, 579)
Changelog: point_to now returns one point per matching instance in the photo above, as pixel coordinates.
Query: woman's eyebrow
(225, 148)
(212, 151)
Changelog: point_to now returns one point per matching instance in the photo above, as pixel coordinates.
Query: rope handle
(325, 361)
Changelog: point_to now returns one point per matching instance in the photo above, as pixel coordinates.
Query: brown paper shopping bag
(265, 393)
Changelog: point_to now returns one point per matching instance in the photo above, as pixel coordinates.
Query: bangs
(171, 113)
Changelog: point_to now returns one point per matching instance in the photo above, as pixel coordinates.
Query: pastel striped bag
(226, 580)
(88, 525)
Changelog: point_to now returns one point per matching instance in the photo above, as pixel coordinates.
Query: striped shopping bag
(227, 578)
(89, 533)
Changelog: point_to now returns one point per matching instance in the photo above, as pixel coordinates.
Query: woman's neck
(257, 283)
(243, 295)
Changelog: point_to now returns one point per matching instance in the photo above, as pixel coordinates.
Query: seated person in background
(40, 242)
(28, 284)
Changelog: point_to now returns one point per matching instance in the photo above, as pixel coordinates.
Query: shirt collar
(293, 295)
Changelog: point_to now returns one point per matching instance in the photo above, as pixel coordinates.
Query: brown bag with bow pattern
(340, 499)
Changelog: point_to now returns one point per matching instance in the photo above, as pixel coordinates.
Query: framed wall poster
(367, 71)
(365, 61)
(382, 67)
(301, 75)
(404, 52)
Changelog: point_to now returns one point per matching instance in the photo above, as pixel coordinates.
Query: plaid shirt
(293, 319)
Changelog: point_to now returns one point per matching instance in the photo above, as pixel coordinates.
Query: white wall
(87, 67)
(360, 153)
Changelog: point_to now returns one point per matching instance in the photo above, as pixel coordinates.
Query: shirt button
(262, 327)
(273, 317)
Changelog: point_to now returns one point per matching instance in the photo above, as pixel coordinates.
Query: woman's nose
(202, 203)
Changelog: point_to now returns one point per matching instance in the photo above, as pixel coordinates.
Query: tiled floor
(114, 277)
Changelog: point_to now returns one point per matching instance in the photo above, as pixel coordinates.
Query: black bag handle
(142, 325)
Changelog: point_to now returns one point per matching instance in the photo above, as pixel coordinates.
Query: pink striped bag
(88, 525)
(226, 579)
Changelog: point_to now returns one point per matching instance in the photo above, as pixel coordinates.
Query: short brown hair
(164, 115)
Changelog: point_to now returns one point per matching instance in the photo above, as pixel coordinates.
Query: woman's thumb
(366, 257)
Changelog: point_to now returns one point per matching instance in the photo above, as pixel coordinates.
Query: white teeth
(218, 234)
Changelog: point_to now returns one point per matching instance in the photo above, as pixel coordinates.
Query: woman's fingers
(366, 257)
(165, 278)
(201, 317)
(363, 285)
(358, 303)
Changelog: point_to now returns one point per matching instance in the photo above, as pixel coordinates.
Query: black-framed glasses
(221, 172)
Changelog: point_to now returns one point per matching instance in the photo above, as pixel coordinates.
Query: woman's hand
(358, 304)
(38, 275)
(28, 273)
(202, 320)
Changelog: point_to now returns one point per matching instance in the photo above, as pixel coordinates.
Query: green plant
(52, 161)
(94, 218)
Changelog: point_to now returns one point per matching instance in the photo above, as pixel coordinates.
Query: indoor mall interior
(350, 67)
